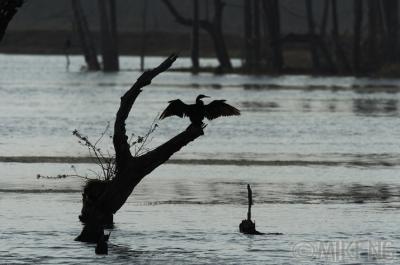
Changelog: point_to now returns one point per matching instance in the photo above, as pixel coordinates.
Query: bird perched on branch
(198, 111)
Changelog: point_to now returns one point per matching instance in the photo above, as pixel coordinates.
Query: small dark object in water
(102, 246)
(247, 226)
(198, 111)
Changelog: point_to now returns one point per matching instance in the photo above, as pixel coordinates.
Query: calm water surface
(322, 156)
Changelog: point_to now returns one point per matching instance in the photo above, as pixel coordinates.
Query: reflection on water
(372, 106)
(259, 106)
(353, 193)
(332, 105)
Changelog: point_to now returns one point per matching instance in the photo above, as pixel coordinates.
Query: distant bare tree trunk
(248, 34)
(257, 35)
(195, 37)
(272, 14)
(381, 23)
(85, 37)
(340, 54)
(114, 32)
(393, 31)
(373, 7)
(391, 10)
(357, 34)
(324, 19)
(8, 8)
(144, 35)
(213, 28)
(207, 7)
(252, 34)
(106, 46)
(67, 46)
(311, 33)
(108, 35)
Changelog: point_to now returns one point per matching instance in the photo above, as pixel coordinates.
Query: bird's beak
(206, 97)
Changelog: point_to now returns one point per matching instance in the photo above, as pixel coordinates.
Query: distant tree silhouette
(357, 34)
(311, 32)
(318, 42)
(8, 8)
(252, 34)
(106, 198)
(373, 10)
(257, 34)
(341, 57)
(248, 34)
(109, 36)
(85, 36)
(195, 37)
(213, 28)
(144, 34)
(391, 12)
(322, 39)
(272, 15)
(324, 18)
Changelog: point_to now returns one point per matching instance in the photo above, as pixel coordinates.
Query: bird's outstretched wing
(175, 107)
(218, 108)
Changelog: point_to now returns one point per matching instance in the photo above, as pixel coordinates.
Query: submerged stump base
(94, 221)
(102, 246)
(91, 233)
(248, 227)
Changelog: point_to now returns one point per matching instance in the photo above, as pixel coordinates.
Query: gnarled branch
(120, 139)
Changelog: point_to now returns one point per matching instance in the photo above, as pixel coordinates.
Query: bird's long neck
(199, 102)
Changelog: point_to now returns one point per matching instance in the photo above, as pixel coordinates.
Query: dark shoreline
(297, 60)
(221, 162)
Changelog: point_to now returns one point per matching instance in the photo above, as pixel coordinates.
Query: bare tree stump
(102, 200)
(247, 226)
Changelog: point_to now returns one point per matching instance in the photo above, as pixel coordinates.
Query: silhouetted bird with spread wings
(198, 111)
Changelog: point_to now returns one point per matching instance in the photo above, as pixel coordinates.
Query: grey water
(322, 155)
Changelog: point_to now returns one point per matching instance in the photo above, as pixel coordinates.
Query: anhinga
(198, 111)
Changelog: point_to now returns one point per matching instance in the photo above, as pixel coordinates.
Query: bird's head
(199, 97)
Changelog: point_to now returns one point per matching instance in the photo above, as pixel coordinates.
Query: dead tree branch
(110, 196)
